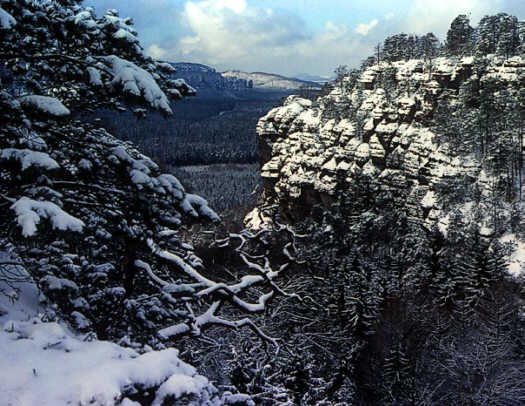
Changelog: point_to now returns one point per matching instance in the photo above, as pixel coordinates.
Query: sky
(288, 37)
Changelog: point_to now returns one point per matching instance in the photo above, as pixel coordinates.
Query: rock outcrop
(310, 150)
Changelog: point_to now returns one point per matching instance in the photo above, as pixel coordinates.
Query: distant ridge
(313, 78)
(264, 80)
(210, 83)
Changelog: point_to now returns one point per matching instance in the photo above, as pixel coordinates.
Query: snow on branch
(166, 286)
(136, 81)
(7, 21)
(29, 213)
(196, 205)
(45, 104)
(180, 263)
(224, 291)
(209, 318)
(29, 158)
(229, 290)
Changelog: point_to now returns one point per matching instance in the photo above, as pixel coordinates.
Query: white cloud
(389, 16)
(156, 51)
(229, 29)
(435, 16)
(237, 34)
(238, 6)
(364, 28)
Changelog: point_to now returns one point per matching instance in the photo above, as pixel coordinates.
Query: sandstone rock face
(308, 153)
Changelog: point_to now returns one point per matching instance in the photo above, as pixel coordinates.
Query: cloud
(228, 29)
(435, 16)
(363, 28)
(156, 51)
(229, 34)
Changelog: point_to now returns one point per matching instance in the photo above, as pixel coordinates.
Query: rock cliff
(384, 125)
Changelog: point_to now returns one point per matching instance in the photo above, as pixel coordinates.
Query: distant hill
(313, 78)
(270, 81)
(209, 83)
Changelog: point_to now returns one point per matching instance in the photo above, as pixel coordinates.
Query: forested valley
(380, 261)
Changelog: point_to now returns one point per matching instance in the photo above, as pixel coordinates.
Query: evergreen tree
(508, 41)
(428, 47)
(459, 36)
(498, 34)
(487, 35)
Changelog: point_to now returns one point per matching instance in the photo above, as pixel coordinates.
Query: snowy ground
(47, 364)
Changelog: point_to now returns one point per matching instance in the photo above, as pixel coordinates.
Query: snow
(182, 83)
(289, 111)
(191, 201)
(54, 283)
(429, 200)
(49, 365)
(310, 119)
(32, 140)
(80, 321)
(85, 164)
(29, 158)
(172, 185)
(95, 78)
(126, 35)
(179, 385)
(127, 402)
(85, 19)
(175, 93)
(345, 126)
(45, 104)
(137, 82)
(139, 177)
(256, 219)
(467, 60)
(516, 266)
(167, 67)
(7, 21)
(331, 165)
(144, 164)
(29, 213)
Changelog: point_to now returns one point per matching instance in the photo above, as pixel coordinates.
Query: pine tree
(459, 36)
(498, 34)
(361, 300)
(487, 33)
(428, 47)
(508, 41)
(398, 381)
(100, 225)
